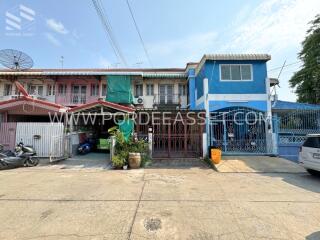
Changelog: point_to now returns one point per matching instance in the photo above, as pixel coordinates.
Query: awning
(29, 106)
(96, 107)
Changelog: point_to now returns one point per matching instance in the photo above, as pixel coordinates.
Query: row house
(150, 88)
(234, 83)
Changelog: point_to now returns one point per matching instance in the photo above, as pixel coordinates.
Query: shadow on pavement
(313, 236)
(88, 161)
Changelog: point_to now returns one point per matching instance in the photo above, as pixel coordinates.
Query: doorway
(166, 93)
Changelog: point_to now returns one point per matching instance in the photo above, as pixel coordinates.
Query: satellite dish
(15, 60)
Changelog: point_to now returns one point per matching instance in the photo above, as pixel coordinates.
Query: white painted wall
(51, 137)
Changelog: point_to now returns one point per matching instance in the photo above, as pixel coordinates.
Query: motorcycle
(23, 156)
(86, 147)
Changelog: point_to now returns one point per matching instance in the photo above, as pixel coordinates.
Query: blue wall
(200, 106)
(211, 70)
(199, 85)
(192, 86)
(257, 86)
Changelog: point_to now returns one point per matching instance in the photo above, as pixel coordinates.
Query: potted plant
(137, 150)
(131, 151)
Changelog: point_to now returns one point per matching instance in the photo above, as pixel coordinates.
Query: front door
(165, 93)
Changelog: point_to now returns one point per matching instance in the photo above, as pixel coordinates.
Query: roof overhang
(101, 105)
(231, 57)
(273, 81)
(25, 103)
(161, 72)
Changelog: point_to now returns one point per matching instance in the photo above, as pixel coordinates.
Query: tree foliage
(307, 79)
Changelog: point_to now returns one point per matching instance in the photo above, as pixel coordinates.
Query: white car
(309, 156)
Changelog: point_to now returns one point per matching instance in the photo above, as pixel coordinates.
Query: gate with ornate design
(292, 129)
(176, 134)
(238, 130)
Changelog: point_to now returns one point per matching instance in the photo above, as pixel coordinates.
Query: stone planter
(134, 160)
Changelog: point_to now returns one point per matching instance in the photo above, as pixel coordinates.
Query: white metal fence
(46, 138)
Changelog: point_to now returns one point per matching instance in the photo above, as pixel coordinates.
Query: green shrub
(118, 161)
(123, 147)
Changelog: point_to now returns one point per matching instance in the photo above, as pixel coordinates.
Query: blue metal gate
(238, 131)
(292, 129)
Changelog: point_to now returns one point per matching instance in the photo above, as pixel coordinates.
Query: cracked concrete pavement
(159, 203)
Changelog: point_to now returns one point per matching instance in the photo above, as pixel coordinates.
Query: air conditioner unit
(138, 100)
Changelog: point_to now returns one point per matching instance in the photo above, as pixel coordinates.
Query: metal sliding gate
(238, 131)
(292, 129)
(175, 134)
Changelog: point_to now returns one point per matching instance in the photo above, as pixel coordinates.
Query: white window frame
(184, 89)
(36, 87)
(5, 93)
(135, 90)
(94, 89)
(51, 89)
(240, 80)
(149, 86)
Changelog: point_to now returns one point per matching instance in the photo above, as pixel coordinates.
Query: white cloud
(274, 25)
(52, 39)
(56, 26)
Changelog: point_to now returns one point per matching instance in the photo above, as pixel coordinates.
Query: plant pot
(134, 160)
(125, 167)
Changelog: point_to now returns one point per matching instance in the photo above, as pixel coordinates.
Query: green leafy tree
(307, 80)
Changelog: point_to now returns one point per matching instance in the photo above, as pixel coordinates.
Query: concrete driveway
(157, 203)
(261, 164)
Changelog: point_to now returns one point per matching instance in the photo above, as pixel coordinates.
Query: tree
(307, 80)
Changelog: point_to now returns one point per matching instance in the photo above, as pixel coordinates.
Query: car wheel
(313, 172)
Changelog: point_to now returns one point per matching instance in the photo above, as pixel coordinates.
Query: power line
(107, 26)
(139, 33)
(283, 66)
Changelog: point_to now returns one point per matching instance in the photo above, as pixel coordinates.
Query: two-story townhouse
(233, 89)
(74, 87)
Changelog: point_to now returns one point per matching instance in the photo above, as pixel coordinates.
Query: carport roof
(284, 105)
(102, 103)
(4, 105)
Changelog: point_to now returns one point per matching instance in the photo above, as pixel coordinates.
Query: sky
(174, 32)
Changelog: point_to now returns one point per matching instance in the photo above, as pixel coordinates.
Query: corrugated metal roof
(264, 57)
(226, 57)
(116, 71)
(284, 105)
(163, 73)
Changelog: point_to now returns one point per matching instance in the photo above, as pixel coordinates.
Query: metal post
(206, 107)
(112, 147)
(150, 142)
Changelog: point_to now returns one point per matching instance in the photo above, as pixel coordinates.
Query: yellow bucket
(215, 155)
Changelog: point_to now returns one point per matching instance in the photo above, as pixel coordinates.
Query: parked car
(309, 156)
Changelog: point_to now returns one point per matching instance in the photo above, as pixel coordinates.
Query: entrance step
(177, 163)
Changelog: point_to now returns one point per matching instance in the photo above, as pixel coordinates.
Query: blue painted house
(233, 87)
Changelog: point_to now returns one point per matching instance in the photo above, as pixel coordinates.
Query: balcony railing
(174, 99)
(73, 99)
